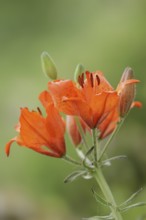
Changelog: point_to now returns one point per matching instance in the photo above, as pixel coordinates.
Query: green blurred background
(105, 35)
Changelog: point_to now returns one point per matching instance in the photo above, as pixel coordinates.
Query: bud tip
(48, 66)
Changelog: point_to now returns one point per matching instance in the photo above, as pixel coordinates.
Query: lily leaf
(133, 206)
(100, 199)
(106, 217)
(129, 200)
(74, 175)
(107, 162)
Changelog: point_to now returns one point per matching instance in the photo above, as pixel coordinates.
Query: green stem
(70, 160)
(94, 144)
(99, 177)
(81, 132)
(110, 139)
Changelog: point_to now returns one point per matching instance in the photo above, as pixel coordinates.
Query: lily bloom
(43, 135)
(73, 129)
(92, 98)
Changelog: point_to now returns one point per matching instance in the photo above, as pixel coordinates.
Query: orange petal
(16, 139)
(122, 85)
(104, 103)
(136, 104)
(108, 125)
(45, 98)
(37, 131)
(104, 85)
(62, 92)
(73, 130)
(94, 84)
(56, 128)
(8, 145)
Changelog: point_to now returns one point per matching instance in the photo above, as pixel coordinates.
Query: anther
(98, 79)
(81, 80)
(91, 80)
(39, 110)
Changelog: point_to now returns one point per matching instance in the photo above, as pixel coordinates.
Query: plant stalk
(99, 177)
(110, 139)
(94, 144)
(81, 131)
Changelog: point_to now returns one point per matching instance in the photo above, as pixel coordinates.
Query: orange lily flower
(73, 130)
(93, 98)
(43, 135)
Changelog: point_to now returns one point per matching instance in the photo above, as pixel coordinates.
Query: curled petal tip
(136, 104)
(8, 146)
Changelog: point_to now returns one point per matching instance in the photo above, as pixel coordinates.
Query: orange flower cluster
(92, 99)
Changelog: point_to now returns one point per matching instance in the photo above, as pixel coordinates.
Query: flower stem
(94, 144)
(110, 139)
(81, 132)
(99, 177)
(70, 160)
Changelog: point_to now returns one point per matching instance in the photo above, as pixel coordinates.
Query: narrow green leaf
(131, 198)
(113, 158)
(100, 199)
(74, 175)
(106, 217)
(133, 206)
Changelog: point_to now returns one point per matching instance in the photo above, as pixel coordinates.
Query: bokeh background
(106, 35)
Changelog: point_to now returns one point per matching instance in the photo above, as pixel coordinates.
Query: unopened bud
(127, 92)
(48, 66)
(78, 72)
(76, 128)
(127, 74)
(72, 129)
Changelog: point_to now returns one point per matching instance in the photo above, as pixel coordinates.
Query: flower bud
(127, 91)
(72, 129)
(78, 72)
(48, 66)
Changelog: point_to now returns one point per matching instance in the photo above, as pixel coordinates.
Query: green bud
(78, 72)
(48, 66)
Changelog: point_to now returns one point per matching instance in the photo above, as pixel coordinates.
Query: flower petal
(45, 98)
(136, 104)
(62, 92)
(8, 145)
(39, 134)
(108, 125)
